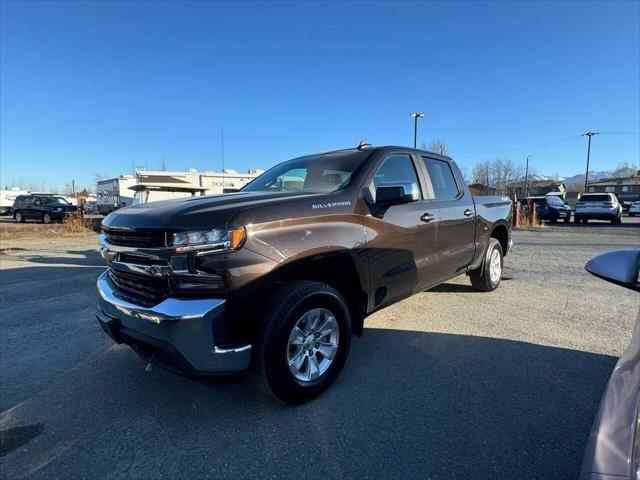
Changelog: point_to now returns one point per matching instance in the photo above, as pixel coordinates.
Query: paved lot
(447, 384)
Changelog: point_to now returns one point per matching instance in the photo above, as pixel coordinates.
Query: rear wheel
(303, 342)
(19, 217)
(585, 220)
(47, 218)
(487, 277)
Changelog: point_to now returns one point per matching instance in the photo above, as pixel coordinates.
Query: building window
(610, 189)
(626, 188)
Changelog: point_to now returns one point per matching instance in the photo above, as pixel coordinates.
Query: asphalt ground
(449, 383)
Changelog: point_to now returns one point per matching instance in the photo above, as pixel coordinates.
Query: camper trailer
(114, 193)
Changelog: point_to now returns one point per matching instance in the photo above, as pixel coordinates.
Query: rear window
(595, 198)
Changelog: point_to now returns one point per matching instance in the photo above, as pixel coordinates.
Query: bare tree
(436, 145)
(163, 165)
(625, 169)
(499, 174)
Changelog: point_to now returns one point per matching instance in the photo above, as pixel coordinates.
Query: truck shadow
(408, 404)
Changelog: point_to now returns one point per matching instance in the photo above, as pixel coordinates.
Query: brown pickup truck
(278, 276)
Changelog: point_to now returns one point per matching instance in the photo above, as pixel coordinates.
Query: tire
(617, 220)
(19, 217)
(553, 220)
(293, 305)
(577, 219)
(585, 220)
(47, 218)
(482, 279)
(632, 214)
(567, 219)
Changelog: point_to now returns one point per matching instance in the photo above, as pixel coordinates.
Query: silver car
(613, 450)
(598, 206)
(634, 209)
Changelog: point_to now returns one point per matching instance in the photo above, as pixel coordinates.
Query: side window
(442, 179)
(394, 169)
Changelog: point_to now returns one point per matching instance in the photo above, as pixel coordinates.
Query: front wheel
(19, 217)
(303, 342)
(487, 277)
(567, 219)
(47, 218)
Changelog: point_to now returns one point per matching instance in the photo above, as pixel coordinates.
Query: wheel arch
(338, 269)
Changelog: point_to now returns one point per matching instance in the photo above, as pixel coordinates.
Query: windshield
(54, 201)
(315, 173)
(555, 202)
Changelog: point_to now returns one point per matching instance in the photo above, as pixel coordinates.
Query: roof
(155, 179)
(617, 181)
(167, 187)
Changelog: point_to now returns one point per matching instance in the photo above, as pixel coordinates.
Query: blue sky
(92, 87)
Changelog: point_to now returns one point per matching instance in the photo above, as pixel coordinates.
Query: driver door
(401, 239)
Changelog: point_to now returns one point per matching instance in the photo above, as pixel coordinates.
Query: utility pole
(416, 116)
(222, 153)
(586, 176)
(526, 179)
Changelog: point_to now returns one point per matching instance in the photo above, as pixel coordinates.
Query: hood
(195, 212)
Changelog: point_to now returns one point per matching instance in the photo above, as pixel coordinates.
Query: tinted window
(442, 179)
(394, 169)
(595, 198)
(315, 173)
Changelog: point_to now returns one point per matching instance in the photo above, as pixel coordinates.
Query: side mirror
(396, 193)
(621, 267)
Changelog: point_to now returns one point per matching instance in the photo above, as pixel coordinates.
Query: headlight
(214, 241)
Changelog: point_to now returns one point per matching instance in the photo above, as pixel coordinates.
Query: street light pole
(586, 176)
(526, 179)
(416, 116)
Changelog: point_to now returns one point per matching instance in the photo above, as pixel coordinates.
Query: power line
(543, 144)
(524, 148)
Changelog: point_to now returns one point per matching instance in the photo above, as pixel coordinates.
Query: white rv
(7, 197)
(114, 193)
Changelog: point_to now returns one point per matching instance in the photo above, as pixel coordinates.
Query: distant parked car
(598, 206)
(634, 209)
(613, 449)
(45, 208)
(90, 207)
(551, 209)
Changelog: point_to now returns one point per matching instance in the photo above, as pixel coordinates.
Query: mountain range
(579, 178)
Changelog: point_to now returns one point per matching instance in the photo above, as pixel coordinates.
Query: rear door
(401, 239)
(28, 207)
(455, 244)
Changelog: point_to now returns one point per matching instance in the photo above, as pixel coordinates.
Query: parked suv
(551, 209)
(598, 206)
(45, 208)
(279, 275)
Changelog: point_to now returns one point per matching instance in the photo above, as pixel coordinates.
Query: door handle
(468, 212)
(427, 217)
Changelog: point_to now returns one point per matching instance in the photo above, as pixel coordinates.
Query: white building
(215, 183)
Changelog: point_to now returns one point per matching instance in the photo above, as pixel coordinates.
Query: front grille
(136, 238)
(152, 289)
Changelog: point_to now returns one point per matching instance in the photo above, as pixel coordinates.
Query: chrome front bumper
(182, 331)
